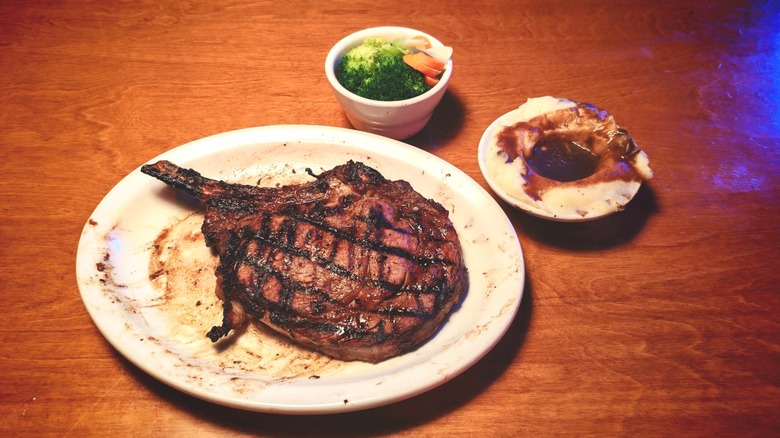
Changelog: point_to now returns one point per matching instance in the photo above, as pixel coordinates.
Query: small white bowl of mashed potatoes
(562, 160)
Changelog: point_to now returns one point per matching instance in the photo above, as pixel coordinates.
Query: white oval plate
(158, 318)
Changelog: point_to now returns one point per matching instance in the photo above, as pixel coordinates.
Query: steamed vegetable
(378, 69)
(425, 64)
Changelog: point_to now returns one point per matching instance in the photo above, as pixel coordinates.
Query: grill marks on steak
(350, 264)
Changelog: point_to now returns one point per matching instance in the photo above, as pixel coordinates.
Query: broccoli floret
(376, 42)
(376, 70)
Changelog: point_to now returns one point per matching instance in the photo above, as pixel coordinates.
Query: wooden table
(660, 320)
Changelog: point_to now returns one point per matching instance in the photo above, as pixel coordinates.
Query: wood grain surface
(661, 320)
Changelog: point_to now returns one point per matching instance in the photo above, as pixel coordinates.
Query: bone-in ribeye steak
(350, 264)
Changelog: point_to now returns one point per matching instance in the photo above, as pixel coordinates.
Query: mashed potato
(561, 159)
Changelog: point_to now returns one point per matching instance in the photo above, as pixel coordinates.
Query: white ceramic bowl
(396, 119)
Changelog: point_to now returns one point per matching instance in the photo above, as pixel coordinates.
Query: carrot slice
(433, 63)
(429, 81)
(420, 41)
(430, 61)
(421, 62)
